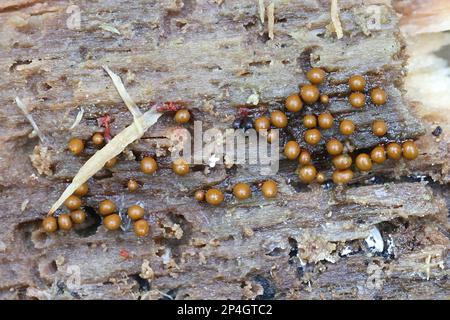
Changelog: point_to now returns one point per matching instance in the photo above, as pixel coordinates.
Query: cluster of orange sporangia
(314, 123)
(107, 208)
(307, 173)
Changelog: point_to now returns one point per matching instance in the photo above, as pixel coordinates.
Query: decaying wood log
(384, 236)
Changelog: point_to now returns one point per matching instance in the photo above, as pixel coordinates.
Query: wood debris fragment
(125, 97)
(109, 28)
(24, 109)
(270, 19)
(335, 19)
(41, 159)
(24, 204)
(428, 266)
(248, 232)
(375, 241)
(146, 271)
(123, 92)
(77, 119)
(253, 99)
(262, 10)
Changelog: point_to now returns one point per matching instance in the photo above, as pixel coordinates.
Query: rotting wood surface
(211, 55)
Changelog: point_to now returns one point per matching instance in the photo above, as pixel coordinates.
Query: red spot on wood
(170, 106)
(243, 112)
(105, 122)
(124, 254)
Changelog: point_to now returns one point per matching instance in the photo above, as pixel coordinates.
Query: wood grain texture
(211, 55)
